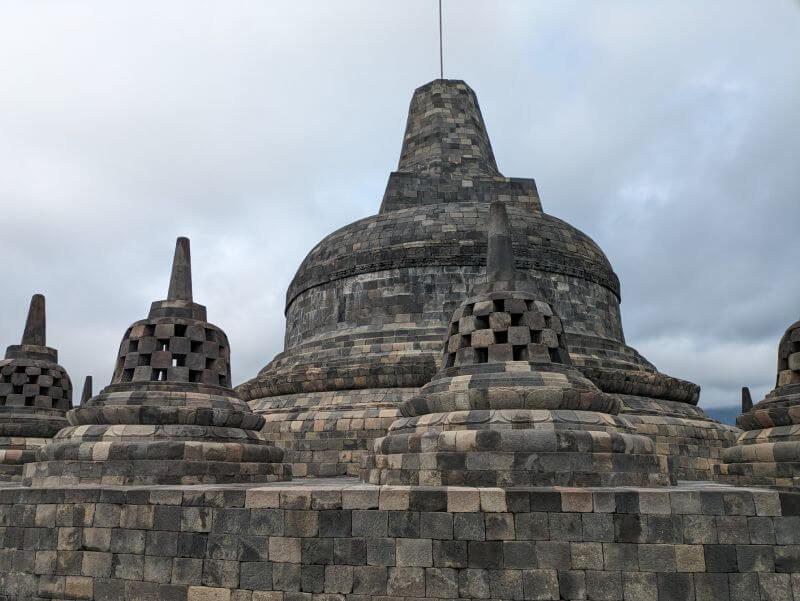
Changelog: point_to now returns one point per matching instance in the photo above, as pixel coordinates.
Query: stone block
(284, 549)
(414, 552)
(406, 582)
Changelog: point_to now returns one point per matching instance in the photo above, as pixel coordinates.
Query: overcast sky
(668, 132)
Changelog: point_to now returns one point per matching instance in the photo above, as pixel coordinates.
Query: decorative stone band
(514, 469)
(89, 449)
(377, 371)
(642, 383)
(139, 472)
(512, 419)
(30, 422)
(511, 385)
(448, 254)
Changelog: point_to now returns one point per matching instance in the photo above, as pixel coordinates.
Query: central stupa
(369, 305)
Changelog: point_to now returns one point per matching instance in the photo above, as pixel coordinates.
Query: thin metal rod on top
(441, 58)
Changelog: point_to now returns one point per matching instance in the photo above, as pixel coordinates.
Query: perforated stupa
(169, 415)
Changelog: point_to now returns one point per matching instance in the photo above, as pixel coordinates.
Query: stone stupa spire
(35, 325)
(500, 251)
(180, 280)
(86, 394)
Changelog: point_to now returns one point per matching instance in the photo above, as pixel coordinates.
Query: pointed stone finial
(500, 251)
(747, 400)
(87, 390)
(35, 325)
(180, 281)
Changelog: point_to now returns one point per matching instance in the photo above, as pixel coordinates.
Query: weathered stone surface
(169, 415)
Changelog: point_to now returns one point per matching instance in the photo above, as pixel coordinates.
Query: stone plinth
(337, 539)
(35, 395)
(367, 309)
(768, 451)
(169, 415)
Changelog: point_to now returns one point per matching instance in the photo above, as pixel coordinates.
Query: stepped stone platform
(368, 307)
(35, 395)
(768, 451)
(340, 540)
(169, 415)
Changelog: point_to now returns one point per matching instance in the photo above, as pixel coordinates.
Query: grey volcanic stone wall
(345, 542)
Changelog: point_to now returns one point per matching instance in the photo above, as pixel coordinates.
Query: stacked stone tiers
(35, 394)
(508, 409)
(329, 433)
(767, 453)
(169, 415)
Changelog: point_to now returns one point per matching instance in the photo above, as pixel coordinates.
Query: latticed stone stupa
(169, 415)
(35, 394)
(367, 309)
(507, 408)
(767, 453)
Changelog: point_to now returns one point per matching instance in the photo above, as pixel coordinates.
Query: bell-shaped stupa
(507, 408)
(767, 453)
(35, 394)
(169, 415)
(368, 306)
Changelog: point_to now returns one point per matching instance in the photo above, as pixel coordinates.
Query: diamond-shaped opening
(197, 346)
(501, 337)
(144, 360)
(149, 329)
(516, 319)
(211, 335)
(159, 375)
(209, 363)
(178, 360)
(133, 346)
(180, 329)
(195, 375)
(520, 352)
(127, 375)
(163, 344)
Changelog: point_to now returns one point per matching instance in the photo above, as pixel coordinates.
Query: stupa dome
(367, 309)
